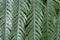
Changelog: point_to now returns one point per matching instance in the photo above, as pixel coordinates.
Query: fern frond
(49, 21)
(34, 20)
(19, 20)
(6, 18)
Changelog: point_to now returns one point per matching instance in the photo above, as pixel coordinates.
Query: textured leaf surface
(29, 20)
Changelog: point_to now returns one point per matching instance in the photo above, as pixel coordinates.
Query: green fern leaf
(19, 20)
(6, 18)
(34, 20)
(49, 21)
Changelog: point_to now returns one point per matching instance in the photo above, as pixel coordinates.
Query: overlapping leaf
(29, 20)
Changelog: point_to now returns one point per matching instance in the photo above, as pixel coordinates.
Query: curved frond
(29, 20)
(6, 18)
(19, 20)
(34, 20)
(49, 21)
